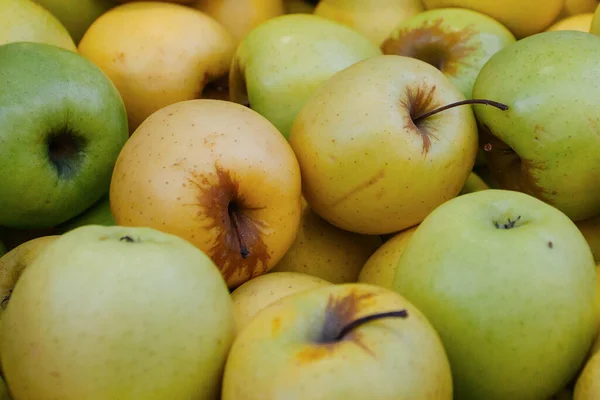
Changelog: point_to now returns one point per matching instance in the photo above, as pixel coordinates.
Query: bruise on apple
(509, 169)
(419, 100)
(238, 248)
(444, 49)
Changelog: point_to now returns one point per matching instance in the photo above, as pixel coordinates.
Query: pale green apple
(24, 20)
(509, 282)
(456, 41)
(547, 143)
(98, 214)
(78, 15)
(370, 161)
(112, 312)
(280, 64)
(62, 126)
(319, 344)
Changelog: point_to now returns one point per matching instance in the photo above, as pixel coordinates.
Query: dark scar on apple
(340, 323)
(127, 239)
(444, 49)
(550, 245)
(238, 248)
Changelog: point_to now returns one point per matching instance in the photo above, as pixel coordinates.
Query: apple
(78, 15)
(281, 63)
(158, 54)
(579, 22)
(373, 18)
(217, 174)
(595, 27)
(576, 7)
(350, 341)
(117, 312)
(373, 159)
(546, 143)
(24, 20)
(256, 294)
(521, 18)
(241, 16)
(474, 183)
(456, 41)
(380, 268)
(510, 284)
(97, 214)
(62, 127)
(588, 382)
(323, 250)
(590, 228)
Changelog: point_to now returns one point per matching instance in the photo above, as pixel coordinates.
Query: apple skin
(373, 18)
(590, 228)
(24, 20)
(513, 305)
(215, 164)
(283, 353)
(256, 294)
(366, 167)
(474, 183)
(78, 15)
(117, 312)
(62, 127)
(456, 41)
(595, 28)
(323, 250)
(579, 22)
(98, 214)
(281, 63)
(577, 7)
(158, 54)
(521, 18)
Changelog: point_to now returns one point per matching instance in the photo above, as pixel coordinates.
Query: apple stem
(492, 103)
(356, 323)
(244, 252)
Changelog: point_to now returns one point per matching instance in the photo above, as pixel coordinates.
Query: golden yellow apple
(217, 174)
(574, 7)
(158, 54)
(579, 22)
(25, 20)
(241, 16)
(338, 342)
(373, 18)
(323, 250)
(595, 28)
(256, 294)
(590, 228)
(380, 268)
(522, 18)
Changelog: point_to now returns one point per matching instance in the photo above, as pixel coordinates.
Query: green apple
(338, 342)
(62, 126)
(509, 282)
(474, 183)
(98, 214)
(547, 143)
(78, 15)
(371, 161)
(114, 312)
(24, 20)
(456, 41)
(280, 63)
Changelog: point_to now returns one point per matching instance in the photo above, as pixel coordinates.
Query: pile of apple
(300, 200)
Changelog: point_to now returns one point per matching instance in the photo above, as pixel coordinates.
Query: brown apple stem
(492, 103)
(244, 252)
(356, 323)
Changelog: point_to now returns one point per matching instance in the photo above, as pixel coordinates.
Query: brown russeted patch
(418, 100)
(238, 247)
(444, 48)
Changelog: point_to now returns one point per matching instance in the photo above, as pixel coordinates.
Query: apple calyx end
(363, 320)
(500, 106)
(509, 225)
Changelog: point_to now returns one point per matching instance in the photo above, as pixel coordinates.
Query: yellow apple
(380, 268)
(217, 174)
(595, 28)
(256, 294)
(590, 228)
(241, 16)
(579, 22)
(157, 54)
(24, 20)
(323, 250)
(522, 18)
(575, 7)
(338, 342)
(373, 18)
